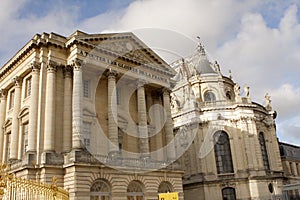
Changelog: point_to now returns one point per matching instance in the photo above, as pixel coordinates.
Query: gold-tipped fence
(13, 188)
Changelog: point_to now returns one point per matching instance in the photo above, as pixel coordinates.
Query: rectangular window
(8, 146)
(28, 87)
(25, 137)
(86, 88)
(86, 130)
(11, 99)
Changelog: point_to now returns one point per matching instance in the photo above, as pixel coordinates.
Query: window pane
(223, 153)
(264, 153)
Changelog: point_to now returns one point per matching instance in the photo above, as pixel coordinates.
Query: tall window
(86, 88)
(135, 191)
(11, 99)
(223, 153)
(264, 152)
(86, 134)
(100, 190)
(8, 138)
(165, 187)
(228, 194)
(25, 137)
(28, 87)
(209, 96)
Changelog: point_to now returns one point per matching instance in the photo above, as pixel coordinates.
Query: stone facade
(92, 110)
(228, 143)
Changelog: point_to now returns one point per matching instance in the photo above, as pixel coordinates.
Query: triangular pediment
(127, 46)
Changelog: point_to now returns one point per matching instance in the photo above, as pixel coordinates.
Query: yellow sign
(168, 196)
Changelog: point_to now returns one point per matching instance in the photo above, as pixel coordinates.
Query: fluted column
(112, 113)
(15, 121)
(33, 109)
(171, 154)
(3, 97)
(67, 114)
(77, 104)
(142, 117)
(49, 137)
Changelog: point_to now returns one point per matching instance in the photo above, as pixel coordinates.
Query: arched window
(228, 194)
(135, 191)
(100, 190)
(223, 153)
(264, 152)
(228, 95)
(209, 96)
(165, 187)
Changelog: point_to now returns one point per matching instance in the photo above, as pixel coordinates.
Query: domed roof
(201, 62)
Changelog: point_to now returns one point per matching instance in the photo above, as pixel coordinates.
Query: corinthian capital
(67, 70)
(3, 93)
(77, 64)
(35, 66)
(17, 81)
(52, 66)
(110, 73)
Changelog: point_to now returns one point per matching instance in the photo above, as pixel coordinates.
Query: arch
(264, 152)
(165, 187)
(228, 193)
(223, 153)
(209, 96)
(100, 189)
(135, 191)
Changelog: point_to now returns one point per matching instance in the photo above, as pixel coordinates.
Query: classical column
(15, 121)
(158, 126)
(77, 104)
(3, 95)
(33, 109)
(112, 113)
(142, 117)
(67, 113)
(49, 134)
(171, 154)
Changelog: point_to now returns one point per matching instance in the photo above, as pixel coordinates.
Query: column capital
(67, 71)
(141, 83)
(77, 64)
(3, 93)
(52, 66)
(166, 91)
(17, 81)
(110, 73)
(35, 66)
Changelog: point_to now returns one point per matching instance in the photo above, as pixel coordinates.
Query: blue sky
(258, 40)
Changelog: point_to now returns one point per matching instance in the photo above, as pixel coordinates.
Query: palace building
(229, 142)
(111, 120)
(92, 110)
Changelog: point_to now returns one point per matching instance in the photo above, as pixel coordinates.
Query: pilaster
(49, 138)
(3, 97)
(171, 154)
(67, 113)
(33, 109)
(15, 121)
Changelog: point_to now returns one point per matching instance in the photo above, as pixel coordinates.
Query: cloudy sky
(258, 40)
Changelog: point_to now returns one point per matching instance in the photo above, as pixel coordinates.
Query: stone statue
(217, 67)
(230, 74)
(268, 101)
(246, 90)
(237, 90)
(174, 103)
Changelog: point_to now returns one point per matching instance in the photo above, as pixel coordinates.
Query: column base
(52, 158)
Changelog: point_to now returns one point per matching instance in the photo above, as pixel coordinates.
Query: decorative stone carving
(110, 73)
(67, 71)
(77, 64)
(268, 101)
(52, 66)
(3, 93)
(17, 81)
(246, 90)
